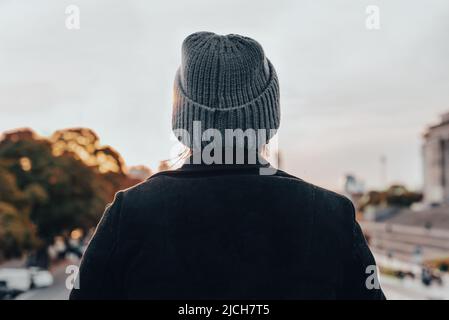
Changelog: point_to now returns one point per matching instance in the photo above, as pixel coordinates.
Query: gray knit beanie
(226, 82)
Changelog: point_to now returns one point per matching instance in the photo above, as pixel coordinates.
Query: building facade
(436, 162)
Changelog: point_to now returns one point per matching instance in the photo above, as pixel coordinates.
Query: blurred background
(85, 106)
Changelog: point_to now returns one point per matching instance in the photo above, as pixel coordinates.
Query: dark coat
(226, 232)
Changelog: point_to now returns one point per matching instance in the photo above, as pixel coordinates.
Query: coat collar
(190, 166)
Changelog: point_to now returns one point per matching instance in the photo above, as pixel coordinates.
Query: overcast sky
(348, 94)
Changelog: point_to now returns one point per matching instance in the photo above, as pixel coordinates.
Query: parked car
(16, 278)
(40, 278)
(24, 279)
(6, 293)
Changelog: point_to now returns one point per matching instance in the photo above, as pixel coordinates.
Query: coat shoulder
(321, 194)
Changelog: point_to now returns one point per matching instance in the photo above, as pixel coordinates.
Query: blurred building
(353, 188)
(404, 234)
(352, 185)
(436, 162)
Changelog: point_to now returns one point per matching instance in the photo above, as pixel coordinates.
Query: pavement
(58, 291)
(408, 289)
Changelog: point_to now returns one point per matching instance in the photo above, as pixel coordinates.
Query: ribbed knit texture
(226, 82)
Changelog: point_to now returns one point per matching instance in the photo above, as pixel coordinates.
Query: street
(407, 289)
(57, 291)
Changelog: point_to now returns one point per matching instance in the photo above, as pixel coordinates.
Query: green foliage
(44, 193)
(17, 232)
(396, 196)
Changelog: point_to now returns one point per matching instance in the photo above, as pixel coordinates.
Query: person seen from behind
(227, 225)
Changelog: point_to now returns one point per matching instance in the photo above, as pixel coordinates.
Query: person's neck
(226, 156)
